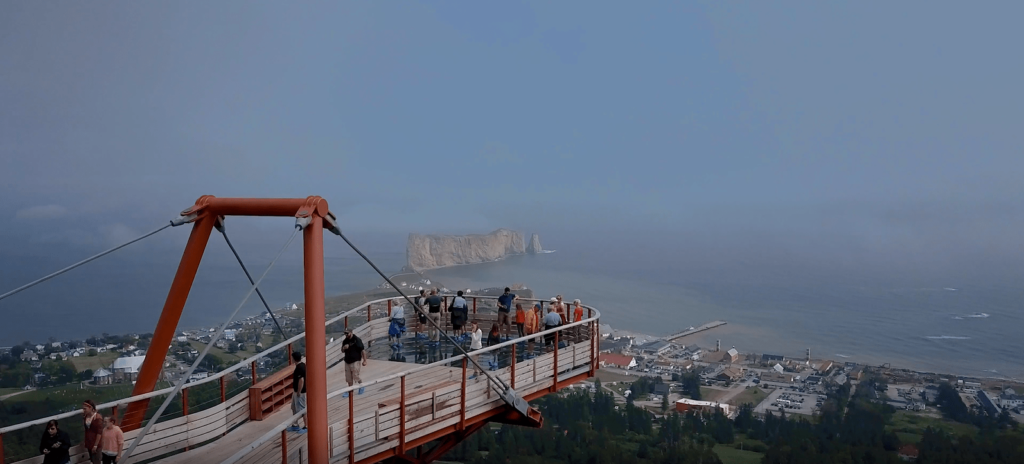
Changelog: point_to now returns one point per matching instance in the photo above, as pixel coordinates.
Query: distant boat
(547, 251)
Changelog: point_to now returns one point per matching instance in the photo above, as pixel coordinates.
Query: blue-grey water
(943, 321)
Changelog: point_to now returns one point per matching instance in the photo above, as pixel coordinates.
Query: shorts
(423, 318)
(298, 402)
(456, 326)
(502, 318)
(352, 373)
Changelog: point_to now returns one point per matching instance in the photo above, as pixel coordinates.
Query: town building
(770, 359)
(657, 347)
(127, 369)
(617, 360)
(686, 404)
(729, 374)
(1010, 399)
(102, 377)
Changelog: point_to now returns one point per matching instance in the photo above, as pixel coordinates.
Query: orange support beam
(316, 339)
(513, 366)
(401, 420)
(284, 447)
(149, 372)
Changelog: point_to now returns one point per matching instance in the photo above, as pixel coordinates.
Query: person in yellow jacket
(531, 325)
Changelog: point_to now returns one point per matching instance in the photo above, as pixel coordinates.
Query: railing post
(513, 366)
(113, 413)
(368, 313)
(184, 401)
(462, 409)
(2, 448)
(592, 350)
(290, 362)
(222, 389)
(254, 372)
(401, 420)
(284, 447)
(351, 427)
(474, 305)
(554, 385)
(389, 309)
(346, 322)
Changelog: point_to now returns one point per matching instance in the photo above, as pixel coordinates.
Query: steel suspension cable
(220, 227)
(181, 382)
(417, 307)
(84, 261)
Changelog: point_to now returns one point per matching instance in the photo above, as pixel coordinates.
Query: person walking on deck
(55, 445)
(494, 338)
(112, 441)
(434, 304)
(93, 430)
(551, 320)
(355, 355)
(476, 342)
(397, 326)
(421, 302)
(298, 391)
(504, 308)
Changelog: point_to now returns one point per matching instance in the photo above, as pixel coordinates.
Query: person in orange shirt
(520, 319)
(532, 325)
(577, 315)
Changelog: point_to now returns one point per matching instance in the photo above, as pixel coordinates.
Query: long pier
(708, 326)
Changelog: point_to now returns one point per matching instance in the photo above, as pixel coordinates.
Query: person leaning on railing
(111, 441)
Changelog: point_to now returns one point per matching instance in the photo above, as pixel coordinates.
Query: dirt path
(13, 394)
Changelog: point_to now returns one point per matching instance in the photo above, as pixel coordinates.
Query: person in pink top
(111, 442)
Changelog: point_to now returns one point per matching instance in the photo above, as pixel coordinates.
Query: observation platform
(419, 400)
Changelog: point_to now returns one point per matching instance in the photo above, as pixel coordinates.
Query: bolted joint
(219, 224)
(184, 219)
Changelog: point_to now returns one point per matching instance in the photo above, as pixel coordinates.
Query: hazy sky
(878, 125)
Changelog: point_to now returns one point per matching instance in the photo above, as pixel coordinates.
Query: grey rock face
(534, 246)
(433, 251)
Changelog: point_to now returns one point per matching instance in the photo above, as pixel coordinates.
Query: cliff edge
(433, 251)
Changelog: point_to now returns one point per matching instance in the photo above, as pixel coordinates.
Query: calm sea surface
(944, 324)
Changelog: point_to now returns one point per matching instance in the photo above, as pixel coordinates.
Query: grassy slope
(751, 395)
(909, 425)
(94, 362)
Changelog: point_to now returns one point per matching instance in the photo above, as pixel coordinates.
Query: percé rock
(534, 246)
(434, 251)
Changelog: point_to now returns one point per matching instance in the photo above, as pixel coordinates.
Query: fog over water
(820, 176)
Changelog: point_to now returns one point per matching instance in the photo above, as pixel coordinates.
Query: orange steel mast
(311, 211)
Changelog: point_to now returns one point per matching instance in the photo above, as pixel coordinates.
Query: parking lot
(793, 402)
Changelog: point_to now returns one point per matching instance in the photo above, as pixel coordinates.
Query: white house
(617, 360)
(102, 377)
(229, 334)
(127, 368)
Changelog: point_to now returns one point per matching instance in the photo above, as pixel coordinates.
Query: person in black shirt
(434, 303)
(298, 391)
(55, 445)
(354, 352)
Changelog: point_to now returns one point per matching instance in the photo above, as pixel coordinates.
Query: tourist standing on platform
(397, 326)
(434, 304)
(560, 308)
(577, 316)
(298, 391)
(112, 442)
(421, 303)
(532, 324)
(504, 308)
(476, 342)
(55, 445)
(520, 320)
(459, 313)
(494, 338)
(551, 320)
(355, 355)
(93, 430)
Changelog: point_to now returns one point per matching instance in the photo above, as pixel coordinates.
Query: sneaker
(302, 430)
(293, 428)
(361, 390)
(344, 395)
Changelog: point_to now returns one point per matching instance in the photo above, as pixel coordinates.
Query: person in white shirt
(476, 343)
(397, 327)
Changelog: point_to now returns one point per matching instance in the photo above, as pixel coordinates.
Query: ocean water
(951, 322)
(962, 328)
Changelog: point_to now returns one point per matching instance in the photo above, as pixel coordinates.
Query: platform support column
(316, 339)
